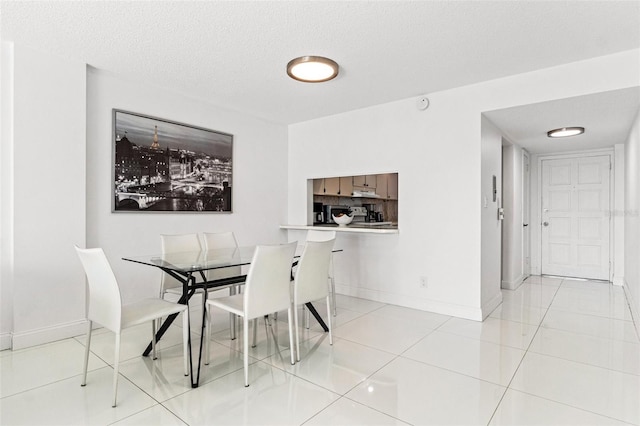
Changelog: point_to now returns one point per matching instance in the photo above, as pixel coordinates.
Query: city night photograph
(160, 165)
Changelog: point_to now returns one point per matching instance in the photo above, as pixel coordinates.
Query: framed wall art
(164, 166)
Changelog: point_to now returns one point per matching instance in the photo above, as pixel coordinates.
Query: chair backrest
(216, 241)
(268, 285)
(313, 235)
(313, 269)
(176, 244)
(105, 304)
(219, 240)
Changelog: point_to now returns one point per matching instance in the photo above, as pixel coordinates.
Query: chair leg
(86, 354)
(289, 318)
(153, 338)
(255, 333)
(333, 294)
(232, 318)
(207, 335)
(329, 320)
(307, 316)
(245, 336)
(295, 322)
(185, 340)
(115, 370)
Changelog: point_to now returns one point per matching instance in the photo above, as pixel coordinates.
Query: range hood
(368, 194)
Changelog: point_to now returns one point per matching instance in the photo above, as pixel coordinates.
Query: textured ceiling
(234, 53)
(607, 118)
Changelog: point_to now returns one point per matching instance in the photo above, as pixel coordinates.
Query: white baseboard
(48, 334)
(512, 285)
(635, 310)
(460, 311)
(5, 341)
(491, 305)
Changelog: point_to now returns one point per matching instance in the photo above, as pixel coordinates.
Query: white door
(575, 217)
(526, 226)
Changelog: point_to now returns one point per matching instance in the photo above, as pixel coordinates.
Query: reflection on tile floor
(555, 352)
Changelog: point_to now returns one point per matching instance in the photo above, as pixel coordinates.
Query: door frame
(526, 213)
(537, 210)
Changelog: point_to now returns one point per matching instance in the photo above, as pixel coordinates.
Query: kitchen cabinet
(365, 181)
(392, 186)
(346, 186)
(326, 186)
(318, 186)
(331, 186)
(381, 185)
(387, 186)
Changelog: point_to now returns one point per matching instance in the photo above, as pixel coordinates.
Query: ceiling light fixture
(312, 69)
(563, 132)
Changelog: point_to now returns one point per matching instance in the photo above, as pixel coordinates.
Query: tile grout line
(551, 356)
(395, 357)
(344, 396)
(526, 351)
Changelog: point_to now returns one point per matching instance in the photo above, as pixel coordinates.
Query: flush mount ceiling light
(312, 69)
(563, 132)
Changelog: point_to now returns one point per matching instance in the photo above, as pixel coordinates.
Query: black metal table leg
(317, 316)
(184, 300)
(204, 318)
(310, 306)
(165, 325)
(189, 289)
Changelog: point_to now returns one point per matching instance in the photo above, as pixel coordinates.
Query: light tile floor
(555, 352)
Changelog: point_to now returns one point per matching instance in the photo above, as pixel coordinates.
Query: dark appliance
(318, 213)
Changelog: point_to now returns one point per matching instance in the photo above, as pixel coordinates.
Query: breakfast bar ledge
(362, 229)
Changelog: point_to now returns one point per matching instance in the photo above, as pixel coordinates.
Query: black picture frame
(161, 165)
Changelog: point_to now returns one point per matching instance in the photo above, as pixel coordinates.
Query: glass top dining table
(190, 269)
(190, 262)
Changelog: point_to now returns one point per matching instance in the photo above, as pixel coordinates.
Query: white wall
(259, 178)
(512, 230)
(491, 226)
(397, 137)
(6, 193)
(44, 204)
(437, 154)
(56, 189)
(632, 221)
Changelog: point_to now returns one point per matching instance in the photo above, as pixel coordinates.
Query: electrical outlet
(423, 282)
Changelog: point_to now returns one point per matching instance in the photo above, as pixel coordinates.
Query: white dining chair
(176, 244)
(106, 309)
(221, 241)
(310, 283)
(313, 235)
(266, 290)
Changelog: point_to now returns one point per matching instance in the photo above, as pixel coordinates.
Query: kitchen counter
(360, 227)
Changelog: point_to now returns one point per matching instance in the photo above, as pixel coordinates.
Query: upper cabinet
(367, 182)
(387, 186)
(382, 183)
(384, 186)
(318, 186)
(346, 186)
(331, 186)
(392, 186)
(328, 186)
